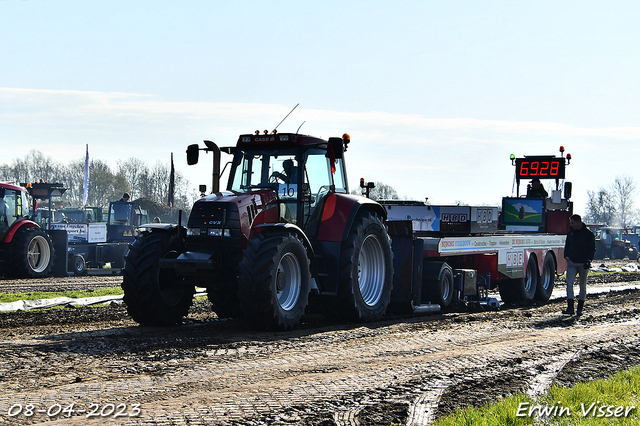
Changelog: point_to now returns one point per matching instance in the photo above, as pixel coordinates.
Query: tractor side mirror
(567, 190)
(338, 147)
(193, 153)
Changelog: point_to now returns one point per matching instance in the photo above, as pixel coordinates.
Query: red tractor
(285, 233)
(26, 251)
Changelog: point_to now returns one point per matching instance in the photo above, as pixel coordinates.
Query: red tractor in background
(284, 233)
(26, 251)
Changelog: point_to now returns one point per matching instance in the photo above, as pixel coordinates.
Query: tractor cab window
(12, 206)
(4, 210)
(120, 213)
(318, 177)
(266, 169)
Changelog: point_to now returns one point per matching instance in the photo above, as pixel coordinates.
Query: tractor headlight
(193, 231)
(217, 232)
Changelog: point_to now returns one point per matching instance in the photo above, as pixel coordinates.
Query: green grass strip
(614, 401)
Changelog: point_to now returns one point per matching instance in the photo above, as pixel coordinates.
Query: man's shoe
(580, 305)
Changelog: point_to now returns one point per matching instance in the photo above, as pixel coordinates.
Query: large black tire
(438, 283)
(618, 253)
(524, 289)
(224, 299)
(506, 291)
(78, 265)
(547, 279)
(366, 270)
(274, 281)
(29, 255)
(153, 298)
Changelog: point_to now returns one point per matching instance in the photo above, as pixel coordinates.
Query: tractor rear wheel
(366, 270)
(546, 282)
(153, 298)
(274, 281)
(30, 254)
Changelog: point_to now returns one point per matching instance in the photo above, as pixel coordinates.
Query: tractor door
(319, 181)
(13, 206)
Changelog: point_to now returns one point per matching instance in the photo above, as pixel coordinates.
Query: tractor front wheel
(155, 298)
(274, 281)
(366, 270)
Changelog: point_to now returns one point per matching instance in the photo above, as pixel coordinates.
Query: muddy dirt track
(407, 370)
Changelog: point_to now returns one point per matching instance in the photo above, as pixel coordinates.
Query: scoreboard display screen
(540, 167)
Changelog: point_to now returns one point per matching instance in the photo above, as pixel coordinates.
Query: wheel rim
(288, 281)
(446, 287)
(371, 270)
(79, 265)
(546, 276)
(529, 279)
(38, 254)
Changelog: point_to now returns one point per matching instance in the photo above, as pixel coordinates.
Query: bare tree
(132, 176)
(624, 189)
(600, 207)
(379, 191)
(133, 170)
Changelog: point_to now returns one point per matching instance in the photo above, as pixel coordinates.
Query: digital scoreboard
(540, 167)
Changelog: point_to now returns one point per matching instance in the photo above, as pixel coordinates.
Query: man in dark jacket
(579, 249)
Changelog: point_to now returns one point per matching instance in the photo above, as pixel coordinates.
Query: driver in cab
(290, 174)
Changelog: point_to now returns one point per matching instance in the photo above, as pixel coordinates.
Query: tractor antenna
(300, 126)
(285, 117)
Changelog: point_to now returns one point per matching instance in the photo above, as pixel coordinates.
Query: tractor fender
(178, 232)
(290, 228)
(339, 213)
(18, 225)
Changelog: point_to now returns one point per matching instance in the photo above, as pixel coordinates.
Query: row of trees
(132, 176)
(613, 205)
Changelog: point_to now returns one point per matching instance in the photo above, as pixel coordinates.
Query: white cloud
(447, 159)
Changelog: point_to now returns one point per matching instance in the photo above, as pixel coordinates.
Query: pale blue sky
(435, 94)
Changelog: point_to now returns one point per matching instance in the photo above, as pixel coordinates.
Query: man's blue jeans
(578, 269)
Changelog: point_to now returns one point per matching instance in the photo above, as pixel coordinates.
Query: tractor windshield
(286, 172)
(300, 177)
(264, 169)
(13, 206)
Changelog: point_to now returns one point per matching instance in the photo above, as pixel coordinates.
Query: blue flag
(86, 179)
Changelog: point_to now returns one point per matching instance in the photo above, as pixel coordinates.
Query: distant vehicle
(95, 239)
(26, 250)
(616, 243)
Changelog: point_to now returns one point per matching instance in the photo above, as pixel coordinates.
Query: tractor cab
(291, 173)
(123, 218)
(301, 170)
(615, 243)
(14, 206)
